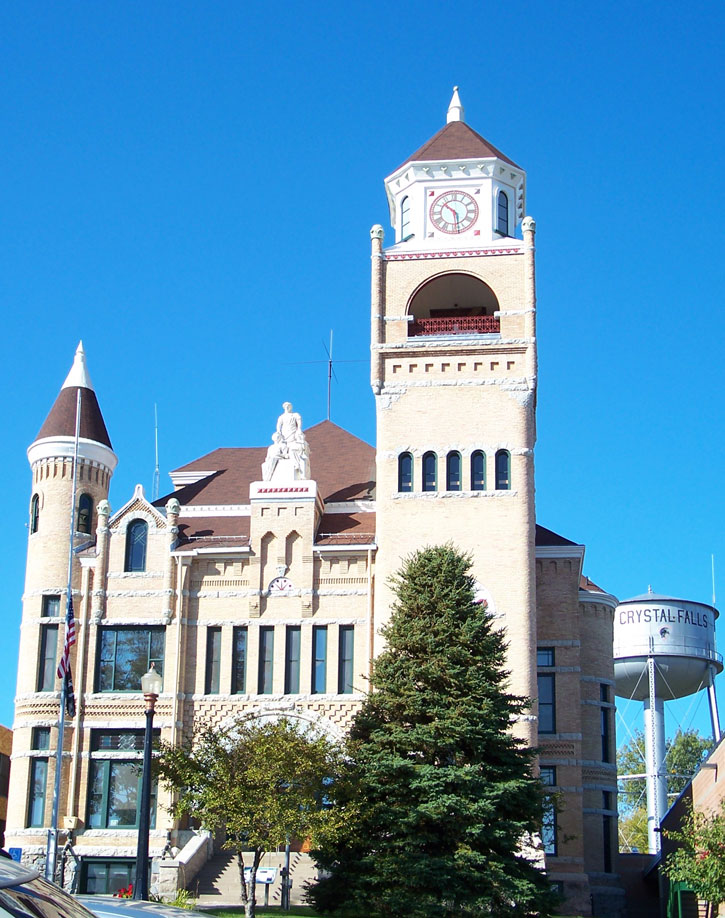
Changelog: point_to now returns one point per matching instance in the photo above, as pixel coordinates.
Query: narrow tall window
(292, 660)
(51, 606)
(266, 661)
(85, 514)
(239, 663)
(607, 831)
(547, 707)
(345, 659)
(36, 796)
(502, 216)
(213, 660)
(34, 513)
(405, 218)
(503, 470)
(548, 823)
(47, 657)
(136, 539)
(405, 472)
(604, 723)
(114, 786)
(319, 659)
(478, 471)
(453, 472)
(430, 472)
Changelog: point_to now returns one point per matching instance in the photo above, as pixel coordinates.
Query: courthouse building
(260, 584)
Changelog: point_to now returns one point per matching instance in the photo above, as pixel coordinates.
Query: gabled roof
(456, 140)
(342, 465)
(61, 422)
(550, 538)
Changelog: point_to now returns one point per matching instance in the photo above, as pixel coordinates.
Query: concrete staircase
(217, 883)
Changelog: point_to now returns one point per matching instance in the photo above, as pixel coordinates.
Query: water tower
(664, 648)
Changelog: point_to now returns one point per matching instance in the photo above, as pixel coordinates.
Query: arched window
(34, 513)
(478, 471)
(405, 218)
(502, 214)
(503, 470)
(85, 514)
(136, 538)
(430, 472)
(405, 472)
(453, 471)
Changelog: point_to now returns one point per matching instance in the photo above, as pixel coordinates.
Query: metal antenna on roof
(713, 578)
(330, 374)
(155, 488)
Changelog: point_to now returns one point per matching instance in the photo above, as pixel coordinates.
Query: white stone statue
(288, 458)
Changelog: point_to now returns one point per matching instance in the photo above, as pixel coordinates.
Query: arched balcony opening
(454, 304)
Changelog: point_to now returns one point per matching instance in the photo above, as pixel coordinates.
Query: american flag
(70, 639)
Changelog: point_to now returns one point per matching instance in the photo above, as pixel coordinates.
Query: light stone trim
(350, 506)
(127, 594)
(398, 318)
(135, 575)
(513, 312)
(445, 495)
(187, 510)
(442, 452)
(426, 342)
(267, 621)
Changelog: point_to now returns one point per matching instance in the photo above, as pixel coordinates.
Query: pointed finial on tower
(78, 375)
(649, 589)
(455, 109)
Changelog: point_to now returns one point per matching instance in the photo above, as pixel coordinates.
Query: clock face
(281, 585)
(454, 211)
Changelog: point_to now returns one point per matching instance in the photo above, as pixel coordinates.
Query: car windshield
(39, 899)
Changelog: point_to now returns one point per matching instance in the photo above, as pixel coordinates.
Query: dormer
(457, 190)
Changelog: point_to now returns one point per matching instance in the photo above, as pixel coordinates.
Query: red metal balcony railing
(461, 325)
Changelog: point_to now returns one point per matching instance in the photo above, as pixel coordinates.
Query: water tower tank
(678, 633)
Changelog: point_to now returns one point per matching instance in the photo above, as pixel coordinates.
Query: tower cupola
(456, 191)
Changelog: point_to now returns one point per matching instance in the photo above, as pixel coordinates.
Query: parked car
(115, 907)
(25, 894)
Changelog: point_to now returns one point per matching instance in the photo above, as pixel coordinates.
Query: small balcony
(455, 325)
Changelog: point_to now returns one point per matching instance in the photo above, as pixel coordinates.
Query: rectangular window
(545, 656)
(114, 789)
(345, 659)
(36, 797)
(41, 738)
(239, 663)
(319, 659)
(47, 658)
(292, 660)
(606, 750)
(51, 606)
(547, 712)
(266, 661)
(125, 654)
(607, 831)
(548, 822)
(213, 660)
(4, 774)
(106, 877)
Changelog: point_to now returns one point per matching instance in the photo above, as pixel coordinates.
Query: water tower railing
(686, 649)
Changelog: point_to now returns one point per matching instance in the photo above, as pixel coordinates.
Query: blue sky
(188, 187)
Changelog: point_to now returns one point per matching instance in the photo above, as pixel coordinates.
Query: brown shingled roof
(61, 422)
(546, 536)
(456, 140)
(342, 465)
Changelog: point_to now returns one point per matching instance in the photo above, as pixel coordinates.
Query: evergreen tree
(445, 795)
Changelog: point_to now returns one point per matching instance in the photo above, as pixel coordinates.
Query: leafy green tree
(684, 753)
(699, 859)
(262, 782)
(446, 797)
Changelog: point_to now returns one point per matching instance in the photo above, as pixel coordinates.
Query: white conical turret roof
(455, 109)
(79, 376)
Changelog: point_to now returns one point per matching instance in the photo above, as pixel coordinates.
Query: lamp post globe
(151, 683)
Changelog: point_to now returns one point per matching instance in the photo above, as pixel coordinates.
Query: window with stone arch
(503, 470)
(405, 218)
(85, 514)
(136, 541)
(453, 471)
(405, 473)
(430, 472)
(502, 213)
(34, 513)
(478, 470)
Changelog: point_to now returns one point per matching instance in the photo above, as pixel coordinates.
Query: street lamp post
(151, 687)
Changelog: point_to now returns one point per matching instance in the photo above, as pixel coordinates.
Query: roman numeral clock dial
(453, 212)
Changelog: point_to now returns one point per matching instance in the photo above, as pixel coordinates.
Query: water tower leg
(654, 738)
(714, 716)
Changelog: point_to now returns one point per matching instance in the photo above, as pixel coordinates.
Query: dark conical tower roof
(61, 421)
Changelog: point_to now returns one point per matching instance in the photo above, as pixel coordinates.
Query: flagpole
(51, 855)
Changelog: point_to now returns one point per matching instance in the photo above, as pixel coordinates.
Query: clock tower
(453, 371)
